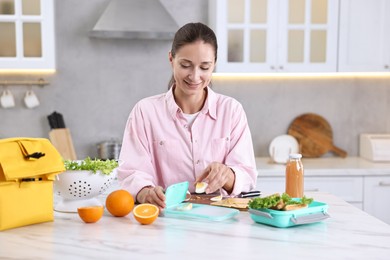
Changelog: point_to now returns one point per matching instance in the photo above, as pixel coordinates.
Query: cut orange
(146, 213)
(119, 203)
(90, 214)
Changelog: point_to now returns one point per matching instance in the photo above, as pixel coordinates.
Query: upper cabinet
(275, 35)
(364, 39)
(27, 35)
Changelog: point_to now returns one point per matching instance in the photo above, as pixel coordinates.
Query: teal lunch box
(175, 199)
(315, 212)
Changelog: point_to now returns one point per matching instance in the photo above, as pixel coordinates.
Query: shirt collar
(209, 106)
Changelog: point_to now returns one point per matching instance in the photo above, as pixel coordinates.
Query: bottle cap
(295, 156)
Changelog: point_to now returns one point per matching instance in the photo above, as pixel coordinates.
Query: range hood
(135, 19)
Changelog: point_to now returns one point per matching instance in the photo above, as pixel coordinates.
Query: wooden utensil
(314, 135)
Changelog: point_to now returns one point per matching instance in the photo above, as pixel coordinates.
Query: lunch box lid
(176, 194)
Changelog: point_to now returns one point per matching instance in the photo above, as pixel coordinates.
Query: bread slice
(279, 206)
(294, 207)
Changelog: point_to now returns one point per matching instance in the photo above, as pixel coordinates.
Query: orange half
(90, 214)
(146, 213)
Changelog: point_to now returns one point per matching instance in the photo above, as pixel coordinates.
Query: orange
(146, 213)
(90, 214)
(119, 203)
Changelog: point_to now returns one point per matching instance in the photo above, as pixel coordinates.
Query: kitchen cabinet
(376, 194)
(275, 35)
(364, 36)
(27, 35)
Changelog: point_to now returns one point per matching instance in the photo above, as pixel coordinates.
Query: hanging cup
(7, 99)
(30, 99)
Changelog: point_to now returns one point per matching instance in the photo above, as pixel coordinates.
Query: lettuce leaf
(273, 200)
(105, 166)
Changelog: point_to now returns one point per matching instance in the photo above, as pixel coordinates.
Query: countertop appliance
(375, 147)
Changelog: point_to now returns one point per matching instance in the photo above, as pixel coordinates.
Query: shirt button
(161, 142)
(185, 126)
(227, 138)
(198, 161)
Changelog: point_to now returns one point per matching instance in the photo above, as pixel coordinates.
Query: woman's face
(192, 67)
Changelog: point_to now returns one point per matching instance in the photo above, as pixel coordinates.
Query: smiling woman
(189, 133)
(206, 45)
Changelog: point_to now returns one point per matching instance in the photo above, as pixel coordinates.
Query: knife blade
(254, 193)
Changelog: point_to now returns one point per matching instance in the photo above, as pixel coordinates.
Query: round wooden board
(314, 135)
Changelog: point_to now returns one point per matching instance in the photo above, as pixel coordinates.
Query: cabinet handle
(272, 67)
(313, 190)
(386, 66)
(281, 67)
(385, 184)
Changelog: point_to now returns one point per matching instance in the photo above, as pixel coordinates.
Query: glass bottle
(294, 176)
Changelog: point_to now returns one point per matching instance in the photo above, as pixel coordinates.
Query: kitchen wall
(99, 80)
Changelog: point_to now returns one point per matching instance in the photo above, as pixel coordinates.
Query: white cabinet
(364, 36)
(270, 185)
(275, 35)
(349, 189)
(376, 197)
(27, 35)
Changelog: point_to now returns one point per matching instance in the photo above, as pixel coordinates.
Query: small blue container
(315, 212)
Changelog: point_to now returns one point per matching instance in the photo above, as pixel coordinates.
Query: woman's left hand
(218, 176)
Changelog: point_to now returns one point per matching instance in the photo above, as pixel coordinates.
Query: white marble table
(349, 234)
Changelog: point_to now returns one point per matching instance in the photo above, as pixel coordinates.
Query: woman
(189, 133)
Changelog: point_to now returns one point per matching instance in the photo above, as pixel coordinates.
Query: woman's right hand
(152, 195)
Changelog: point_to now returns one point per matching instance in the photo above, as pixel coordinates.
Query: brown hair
(190, 33)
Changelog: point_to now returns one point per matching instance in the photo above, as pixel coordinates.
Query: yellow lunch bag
(28, 167)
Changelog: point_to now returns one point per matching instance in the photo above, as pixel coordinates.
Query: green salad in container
(93, 165)
(279, 202)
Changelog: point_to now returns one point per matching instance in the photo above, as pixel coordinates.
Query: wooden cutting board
(237, 203)
(314, 135)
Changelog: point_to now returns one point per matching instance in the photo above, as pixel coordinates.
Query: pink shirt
(160, 149)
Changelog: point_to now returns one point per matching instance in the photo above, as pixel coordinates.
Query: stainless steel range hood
(135, 19)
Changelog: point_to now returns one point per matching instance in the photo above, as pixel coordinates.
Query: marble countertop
(327, 166)
(349, 234)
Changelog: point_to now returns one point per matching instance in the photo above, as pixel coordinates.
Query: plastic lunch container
(315, 212)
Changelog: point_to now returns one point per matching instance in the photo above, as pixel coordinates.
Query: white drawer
(348, 188)
(269, 185)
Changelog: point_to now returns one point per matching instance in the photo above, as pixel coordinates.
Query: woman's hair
(190, 33)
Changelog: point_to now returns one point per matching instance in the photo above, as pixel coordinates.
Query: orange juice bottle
(294, 176)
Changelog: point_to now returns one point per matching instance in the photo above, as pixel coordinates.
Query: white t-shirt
(191, 118)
